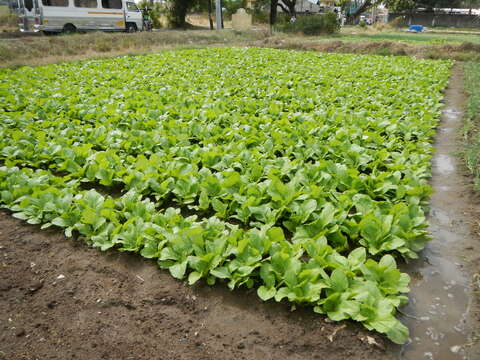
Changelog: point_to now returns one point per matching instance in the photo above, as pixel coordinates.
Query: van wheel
(131, 27)
(69, 29)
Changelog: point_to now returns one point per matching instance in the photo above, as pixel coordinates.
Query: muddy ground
(443, 308)
(60, 299)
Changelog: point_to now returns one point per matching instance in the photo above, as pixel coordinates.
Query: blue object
(415, 28)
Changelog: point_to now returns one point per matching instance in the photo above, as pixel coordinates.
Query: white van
(69, 16)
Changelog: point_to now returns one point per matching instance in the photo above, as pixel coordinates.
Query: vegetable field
(302, 175)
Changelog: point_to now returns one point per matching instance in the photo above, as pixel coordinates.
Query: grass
(34, 50)
(40, 50)
(4, 10)
(350, 33)
(411, 38)
(8, 22)
(472, 121)
(445, 28)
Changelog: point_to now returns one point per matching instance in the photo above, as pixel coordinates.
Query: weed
(471, 129)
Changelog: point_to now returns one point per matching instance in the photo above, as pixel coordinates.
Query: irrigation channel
(440, 298)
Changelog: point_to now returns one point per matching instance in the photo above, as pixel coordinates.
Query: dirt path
(61, 299)
(442, 302)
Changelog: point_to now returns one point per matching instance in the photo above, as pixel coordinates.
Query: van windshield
(28, 4)
(131, 6)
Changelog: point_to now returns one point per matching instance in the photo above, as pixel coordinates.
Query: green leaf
(266, 293)
(339, 280)
(357, 257)
(276, 234)
(193, 277)
(178, 270)
(89, 216)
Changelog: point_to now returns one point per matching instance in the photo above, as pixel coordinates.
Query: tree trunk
(273, 12)
(210, 19)
(178, 12)
(289, 5)
(221, 12)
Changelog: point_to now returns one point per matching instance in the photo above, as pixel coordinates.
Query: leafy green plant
(303, 179)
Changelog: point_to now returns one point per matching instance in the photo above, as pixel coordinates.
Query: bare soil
(442, 297)
(61, 299)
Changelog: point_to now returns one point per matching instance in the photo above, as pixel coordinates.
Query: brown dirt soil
(467, 203)
(61, 299)
(443, 297)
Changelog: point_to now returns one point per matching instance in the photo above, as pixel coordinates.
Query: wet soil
(61, 299)
(441, 313)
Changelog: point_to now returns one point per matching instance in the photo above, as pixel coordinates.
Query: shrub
(261, 17)
(155, 12)
(398, 22)
(312, 24)
(177, 12)
(231, 8)
(8, 21)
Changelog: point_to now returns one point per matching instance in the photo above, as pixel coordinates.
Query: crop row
(306, 270)
(304, 172)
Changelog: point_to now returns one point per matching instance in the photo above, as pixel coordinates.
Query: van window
(28, 4)
(86, 3)
(131, 6)
(62, 3)
(112, 4)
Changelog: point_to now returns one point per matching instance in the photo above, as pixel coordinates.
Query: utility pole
(218, 14)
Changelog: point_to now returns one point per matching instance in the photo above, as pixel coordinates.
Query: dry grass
(466, 51)
(8, 22)
(201, 20)
(4, 10)
(39, 50)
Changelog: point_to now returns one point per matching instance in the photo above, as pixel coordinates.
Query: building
(312, 6)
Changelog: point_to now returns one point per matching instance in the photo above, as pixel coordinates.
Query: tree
(288, 6)
(429, 5)
(210, 18)
(273, 12)
(400, 5)
(361, 8)
(154, 10)
(178, 12)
